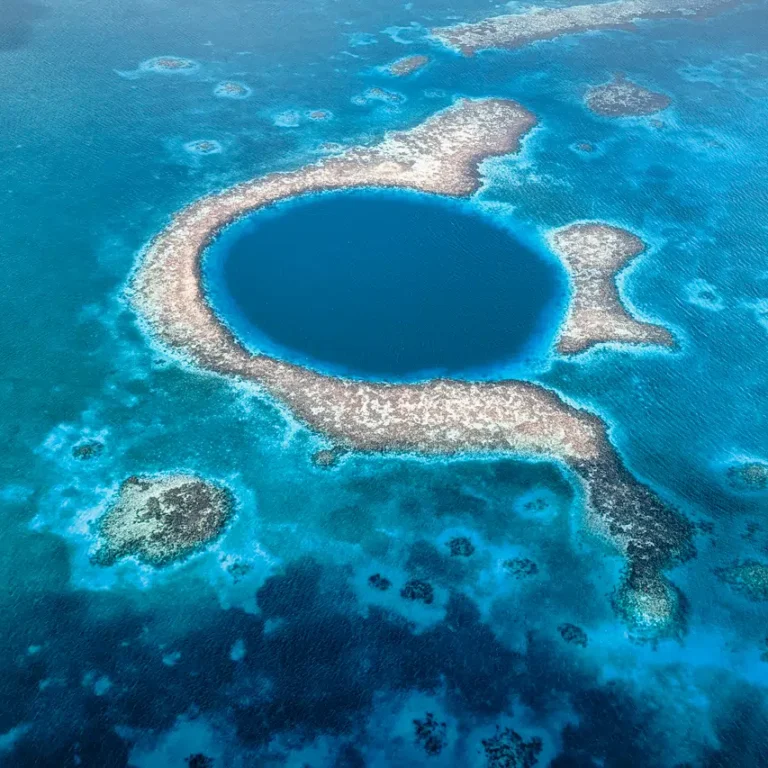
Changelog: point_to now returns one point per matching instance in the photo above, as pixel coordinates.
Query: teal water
(387, 286)
(271, 647)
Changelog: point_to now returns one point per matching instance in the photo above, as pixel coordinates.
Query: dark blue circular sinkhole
(393, 286)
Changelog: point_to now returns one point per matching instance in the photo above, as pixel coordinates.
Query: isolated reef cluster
(160, 519)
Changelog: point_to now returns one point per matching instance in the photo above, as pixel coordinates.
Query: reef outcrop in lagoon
(406, 65)
(440, 416)
(594, 253)
(162, 518)
(518, 29)
(623, 98)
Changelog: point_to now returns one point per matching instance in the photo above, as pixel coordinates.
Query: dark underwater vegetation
(384, 610)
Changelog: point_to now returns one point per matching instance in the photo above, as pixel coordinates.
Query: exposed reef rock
(593, 254)
(461, 546)
(748, 476)
(416, 589)
(515, 30)
(430, 733)
(750, 577)
(573, 634)
(520, 567)
(623, 98)
(508, 749)
(162, 518)
(406, 65)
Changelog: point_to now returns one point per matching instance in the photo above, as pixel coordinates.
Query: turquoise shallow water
(271, 648)
(393, 286)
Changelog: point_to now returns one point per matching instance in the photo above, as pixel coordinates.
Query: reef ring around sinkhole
(388, 285)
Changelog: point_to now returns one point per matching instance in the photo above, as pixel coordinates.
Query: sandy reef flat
(515, 30)
(437, 417)
(593, 254)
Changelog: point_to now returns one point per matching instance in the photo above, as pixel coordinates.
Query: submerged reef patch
(518, 29)
(593, 254)
(430, 733)
(623, 98)
(162, 518)
(747, 476)
(203, 147)
(573, 634)
(507, 749)
(229, 89)
(749, 577)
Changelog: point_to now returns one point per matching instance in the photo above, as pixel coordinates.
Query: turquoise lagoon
(271, 647)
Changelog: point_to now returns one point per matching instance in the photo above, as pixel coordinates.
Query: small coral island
(623, 98)
(160, 519)
(440, 416)
(407, 65)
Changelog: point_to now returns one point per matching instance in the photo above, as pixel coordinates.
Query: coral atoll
(162, 518)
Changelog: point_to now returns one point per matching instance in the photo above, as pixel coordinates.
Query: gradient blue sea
(387, 286)
(270, 648)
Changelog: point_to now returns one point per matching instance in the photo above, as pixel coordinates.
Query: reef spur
(593, 253)
(438, 417)
(518, 29)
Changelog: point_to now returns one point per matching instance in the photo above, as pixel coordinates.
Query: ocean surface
(270, 647)
(387, 286)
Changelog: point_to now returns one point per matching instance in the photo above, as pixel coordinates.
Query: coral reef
(520, 567)
(573, 634)
(748, 476)
(749, 577)
(507, 749)
(460, 546)
(430, 734)
(416, 589)
(593, 253)
(623, 98)
(518, 29)
(377, 581)
(229, 89)
(406, 65)
(87, 449)
(162, 518)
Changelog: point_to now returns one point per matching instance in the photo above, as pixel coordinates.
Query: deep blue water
(384, 285)
(270, 648)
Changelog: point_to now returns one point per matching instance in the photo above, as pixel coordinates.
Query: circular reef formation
(440, 416)
(160, 519)
(408, 302)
